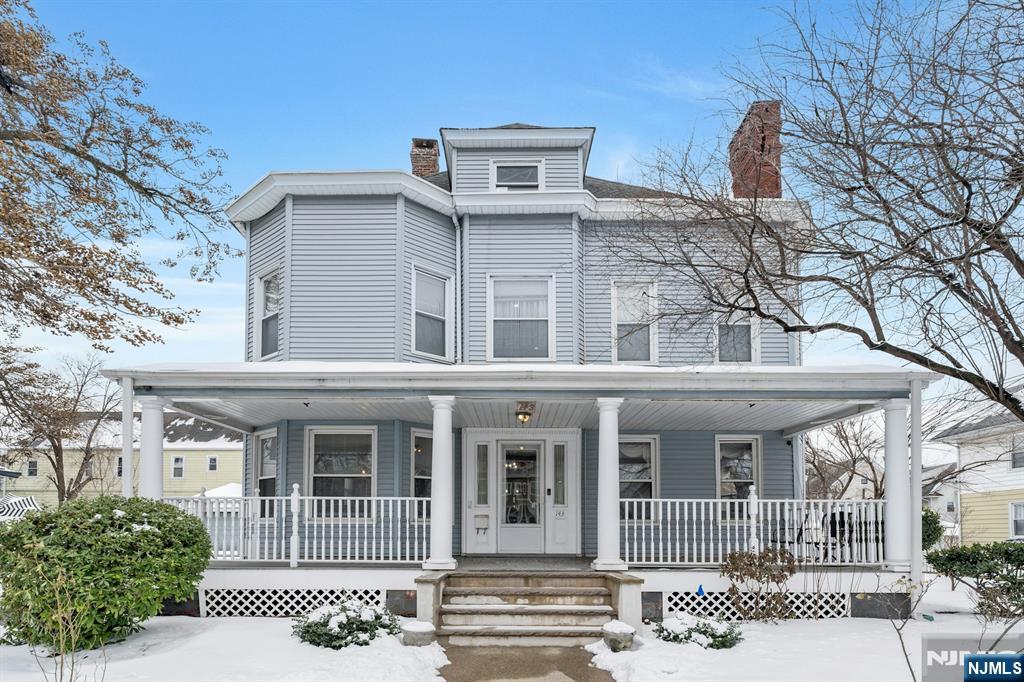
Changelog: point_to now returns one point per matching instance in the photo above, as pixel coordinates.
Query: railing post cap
(295, 487)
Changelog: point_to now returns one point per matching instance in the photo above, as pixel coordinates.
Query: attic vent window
(516, 177)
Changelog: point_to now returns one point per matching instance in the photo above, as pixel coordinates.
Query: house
(445, 372)
(990, 455)
(199, 456)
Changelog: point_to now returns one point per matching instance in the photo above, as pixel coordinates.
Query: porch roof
(247, 395)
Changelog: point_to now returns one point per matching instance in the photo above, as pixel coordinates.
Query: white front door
(521, 491)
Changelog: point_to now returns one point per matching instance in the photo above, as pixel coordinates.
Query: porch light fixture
(524, 410)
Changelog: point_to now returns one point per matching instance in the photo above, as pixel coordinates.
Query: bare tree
(88, 170)
(58, 415)
(903, 142)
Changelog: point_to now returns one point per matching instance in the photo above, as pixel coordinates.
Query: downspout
(458, 287)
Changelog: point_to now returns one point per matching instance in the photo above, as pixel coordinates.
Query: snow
(183, 649)
(226, 490)
(842, 649)
(617, 627)
(417, 626)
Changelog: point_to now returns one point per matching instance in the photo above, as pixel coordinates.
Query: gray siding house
(446, 370)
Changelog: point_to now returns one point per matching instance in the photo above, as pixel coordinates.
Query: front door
(521, 491)
(521, 510)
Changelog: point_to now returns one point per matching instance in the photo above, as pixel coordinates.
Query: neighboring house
(199, 456)
(446, 369)
(861, 485)
(990, 453)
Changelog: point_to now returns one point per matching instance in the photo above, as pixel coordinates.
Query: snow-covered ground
(183, 649)
(854, 649)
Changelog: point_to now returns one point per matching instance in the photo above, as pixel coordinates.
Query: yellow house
(990, 452)
(198, 457)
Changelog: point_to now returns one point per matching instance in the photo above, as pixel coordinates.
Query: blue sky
(291, 86)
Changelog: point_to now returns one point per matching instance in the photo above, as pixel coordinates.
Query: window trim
(758, 458)
(755, 340)
(415, 433)
(489, 332)
(1015, 442)
(215, 461)
(1011, 534)
(119, 467)
(174, 466)
(655, 442)
(652, 328)
(28, 468)
(257, 460)
(492, 182)
(449, 314)
(261, 277)
(310, 432)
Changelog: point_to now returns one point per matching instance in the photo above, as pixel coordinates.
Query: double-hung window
(267, 454)
(341, 461)
(737, 340)
(178, 467)
(1017, 453)
(517, 176)
(635, 334)
(1017, 520)
(637, 476)
(431, 326)
(211, 463)
(521, 318)
(32, 468)
(269, 309)
(739, 464)
(120, 467)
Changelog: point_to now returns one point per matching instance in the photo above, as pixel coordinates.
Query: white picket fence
(683, 532)
(303, 529)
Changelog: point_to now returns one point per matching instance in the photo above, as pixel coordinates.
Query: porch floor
(519, 562)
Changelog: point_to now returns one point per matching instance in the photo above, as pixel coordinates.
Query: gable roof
(600, 188)
(988, 416)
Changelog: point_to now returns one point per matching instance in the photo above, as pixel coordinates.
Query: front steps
(524, 608)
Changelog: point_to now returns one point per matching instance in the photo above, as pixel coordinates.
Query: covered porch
(628, 467)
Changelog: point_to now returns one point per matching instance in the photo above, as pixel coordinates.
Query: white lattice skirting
(279, 603)
(719, 604)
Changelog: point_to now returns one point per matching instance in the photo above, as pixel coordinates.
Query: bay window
(521, 318)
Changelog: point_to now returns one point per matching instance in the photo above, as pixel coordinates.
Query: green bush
(931, 528)
(995, 572)
(338, 626)
(709, 634)
(92, 571)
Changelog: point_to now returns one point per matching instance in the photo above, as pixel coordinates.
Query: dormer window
(517, 176)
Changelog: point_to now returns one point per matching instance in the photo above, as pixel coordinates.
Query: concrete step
(568, 596)
(525, 614)
(519, 635)
(526, 579)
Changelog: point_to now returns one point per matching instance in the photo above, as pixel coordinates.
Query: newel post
(753, 508)
(293, 555)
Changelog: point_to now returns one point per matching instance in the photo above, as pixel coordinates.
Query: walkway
(520, 664)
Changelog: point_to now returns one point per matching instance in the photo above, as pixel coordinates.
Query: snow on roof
(181, 432)
(226, 490)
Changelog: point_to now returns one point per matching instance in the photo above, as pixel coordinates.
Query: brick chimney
(755, 153)
(424, 156)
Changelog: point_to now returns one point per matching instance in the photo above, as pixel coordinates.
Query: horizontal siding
(985, 517)
(473, 167)
(687, 471)
(429, 243)
(266, 255)
(520, 245)
(988, 466)
(343, 278)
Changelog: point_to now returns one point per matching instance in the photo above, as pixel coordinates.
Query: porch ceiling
(636, 413)
(717, 397)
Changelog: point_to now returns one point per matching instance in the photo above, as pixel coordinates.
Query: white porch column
(151, 447)
(897, 486)
(608, 556)
(442, 498)
(127, 437)
(916, 493)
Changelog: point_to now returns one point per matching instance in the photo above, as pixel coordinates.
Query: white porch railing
(680, 532)
(297, 529)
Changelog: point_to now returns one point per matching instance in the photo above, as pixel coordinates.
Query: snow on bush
(704, 632)
(340, 625)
